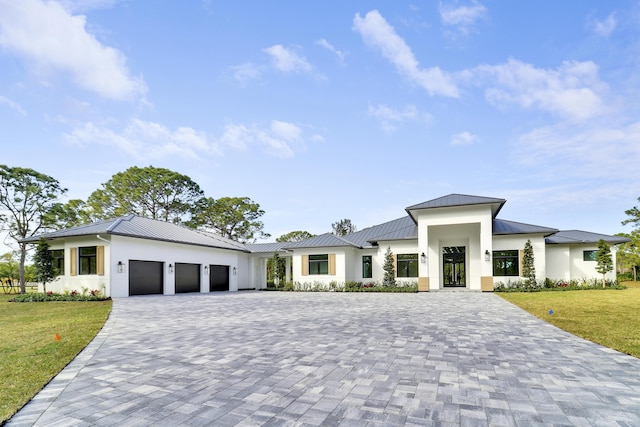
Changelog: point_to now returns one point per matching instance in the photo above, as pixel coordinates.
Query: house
(455, 241)
(132, 255)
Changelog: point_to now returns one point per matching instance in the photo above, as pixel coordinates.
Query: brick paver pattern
(336, 359)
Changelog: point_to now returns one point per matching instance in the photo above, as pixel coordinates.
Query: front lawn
(607, 317)
(30, 354)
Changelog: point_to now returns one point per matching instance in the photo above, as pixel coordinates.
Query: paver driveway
(262, 358)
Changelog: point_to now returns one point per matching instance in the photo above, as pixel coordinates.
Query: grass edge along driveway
(37, 340)
(607, 317)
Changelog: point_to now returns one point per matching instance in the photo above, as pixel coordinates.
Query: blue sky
(337, 109)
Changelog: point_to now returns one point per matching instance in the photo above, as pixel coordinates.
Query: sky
(320, 111)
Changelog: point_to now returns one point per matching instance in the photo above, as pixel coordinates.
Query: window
(58, 261)
(318, 264)
(506, 263)
(589, 255)
(88, 260)
(367, 270)
(407, 265)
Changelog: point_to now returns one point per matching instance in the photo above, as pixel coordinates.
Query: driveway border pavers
(311, 359)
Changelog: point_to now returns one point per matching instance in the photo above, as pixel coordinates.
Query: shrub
(555, 285)
(94, 295)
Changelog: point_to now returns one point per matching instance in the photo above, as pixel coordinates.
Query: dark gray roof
(502, 226)
(579, 236)
(146, 228)
(459, 200)
(259, 248)
(402, 226)
(322, 240)
(410, 232)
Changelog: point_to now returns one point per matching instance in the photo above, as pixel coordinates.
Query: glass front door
(453, 264)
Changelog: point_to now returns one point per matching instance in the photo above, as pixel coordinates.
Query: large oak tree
(25, 198)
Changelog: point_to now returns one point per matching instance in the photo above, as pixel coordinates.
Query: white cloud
(12, 104)
(51, 39)
(606, 27)
(278, 139)
(596, 151)
(245, 72)
(573, 90)
(339, 54)
(464, 138)
(237, 136)
(286, 60)
(390, 118)
(462, 17)
(142, 139)
(377, 32)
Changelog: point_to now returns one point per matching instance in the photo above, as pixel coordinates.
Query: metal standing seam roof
(364, 237)
(579, 236)
(452, 200)
(146, 228)
(503, 227)
(260, 248)
(323, 240)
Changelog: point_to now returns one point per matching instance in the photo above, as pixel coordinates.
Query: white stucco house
(454, 241)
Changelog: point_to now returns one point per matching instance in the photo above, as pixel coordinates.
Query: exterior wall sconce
(423, 258)
(235, 271)
(170, 268)
(120, 267)
(206, 270)
(487, 255)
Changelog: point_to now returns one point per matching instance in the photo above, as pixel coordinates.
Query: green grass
(29, 355)
(607, 317)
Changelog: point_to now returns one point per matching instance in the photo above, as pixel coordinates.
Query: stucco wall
(517, 242)
(116, 284)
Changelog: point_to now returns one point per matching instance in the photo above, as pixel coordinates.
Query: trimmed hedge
(49, 296)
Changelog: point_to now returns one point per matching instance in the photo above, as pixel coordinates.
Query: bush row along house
(455, 241)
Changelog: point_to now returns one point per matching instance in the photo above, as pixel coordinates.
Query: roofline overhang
(409, 210)
(155, 239)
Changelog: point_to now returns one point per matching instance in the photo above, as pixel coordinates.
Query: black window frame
(501, 266)
(367, 267)
(407, 265)
(319, 264)
(590, 255)
(57, 257)
(87, 261)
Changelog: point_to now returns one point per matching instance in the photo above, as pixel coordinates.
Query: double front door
(453, 265)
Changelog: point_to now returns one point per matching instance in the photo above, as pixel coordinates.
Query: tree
(235, 218)
(150, 192)
(528, 264)
(389, 267)
(295, 236)
(343, 227)
(66, 215)
(25, 198)
(634, 216)
(276, 269)
(628, 254)
(43, 262)
(604, 261)
(9, 265)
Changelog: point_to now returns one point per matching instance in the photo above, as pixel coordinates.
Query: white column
(287, 275)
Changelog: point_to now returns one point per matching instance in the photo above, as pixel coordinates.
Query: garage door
(218, 278)
(145, 277)
(187, 278)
